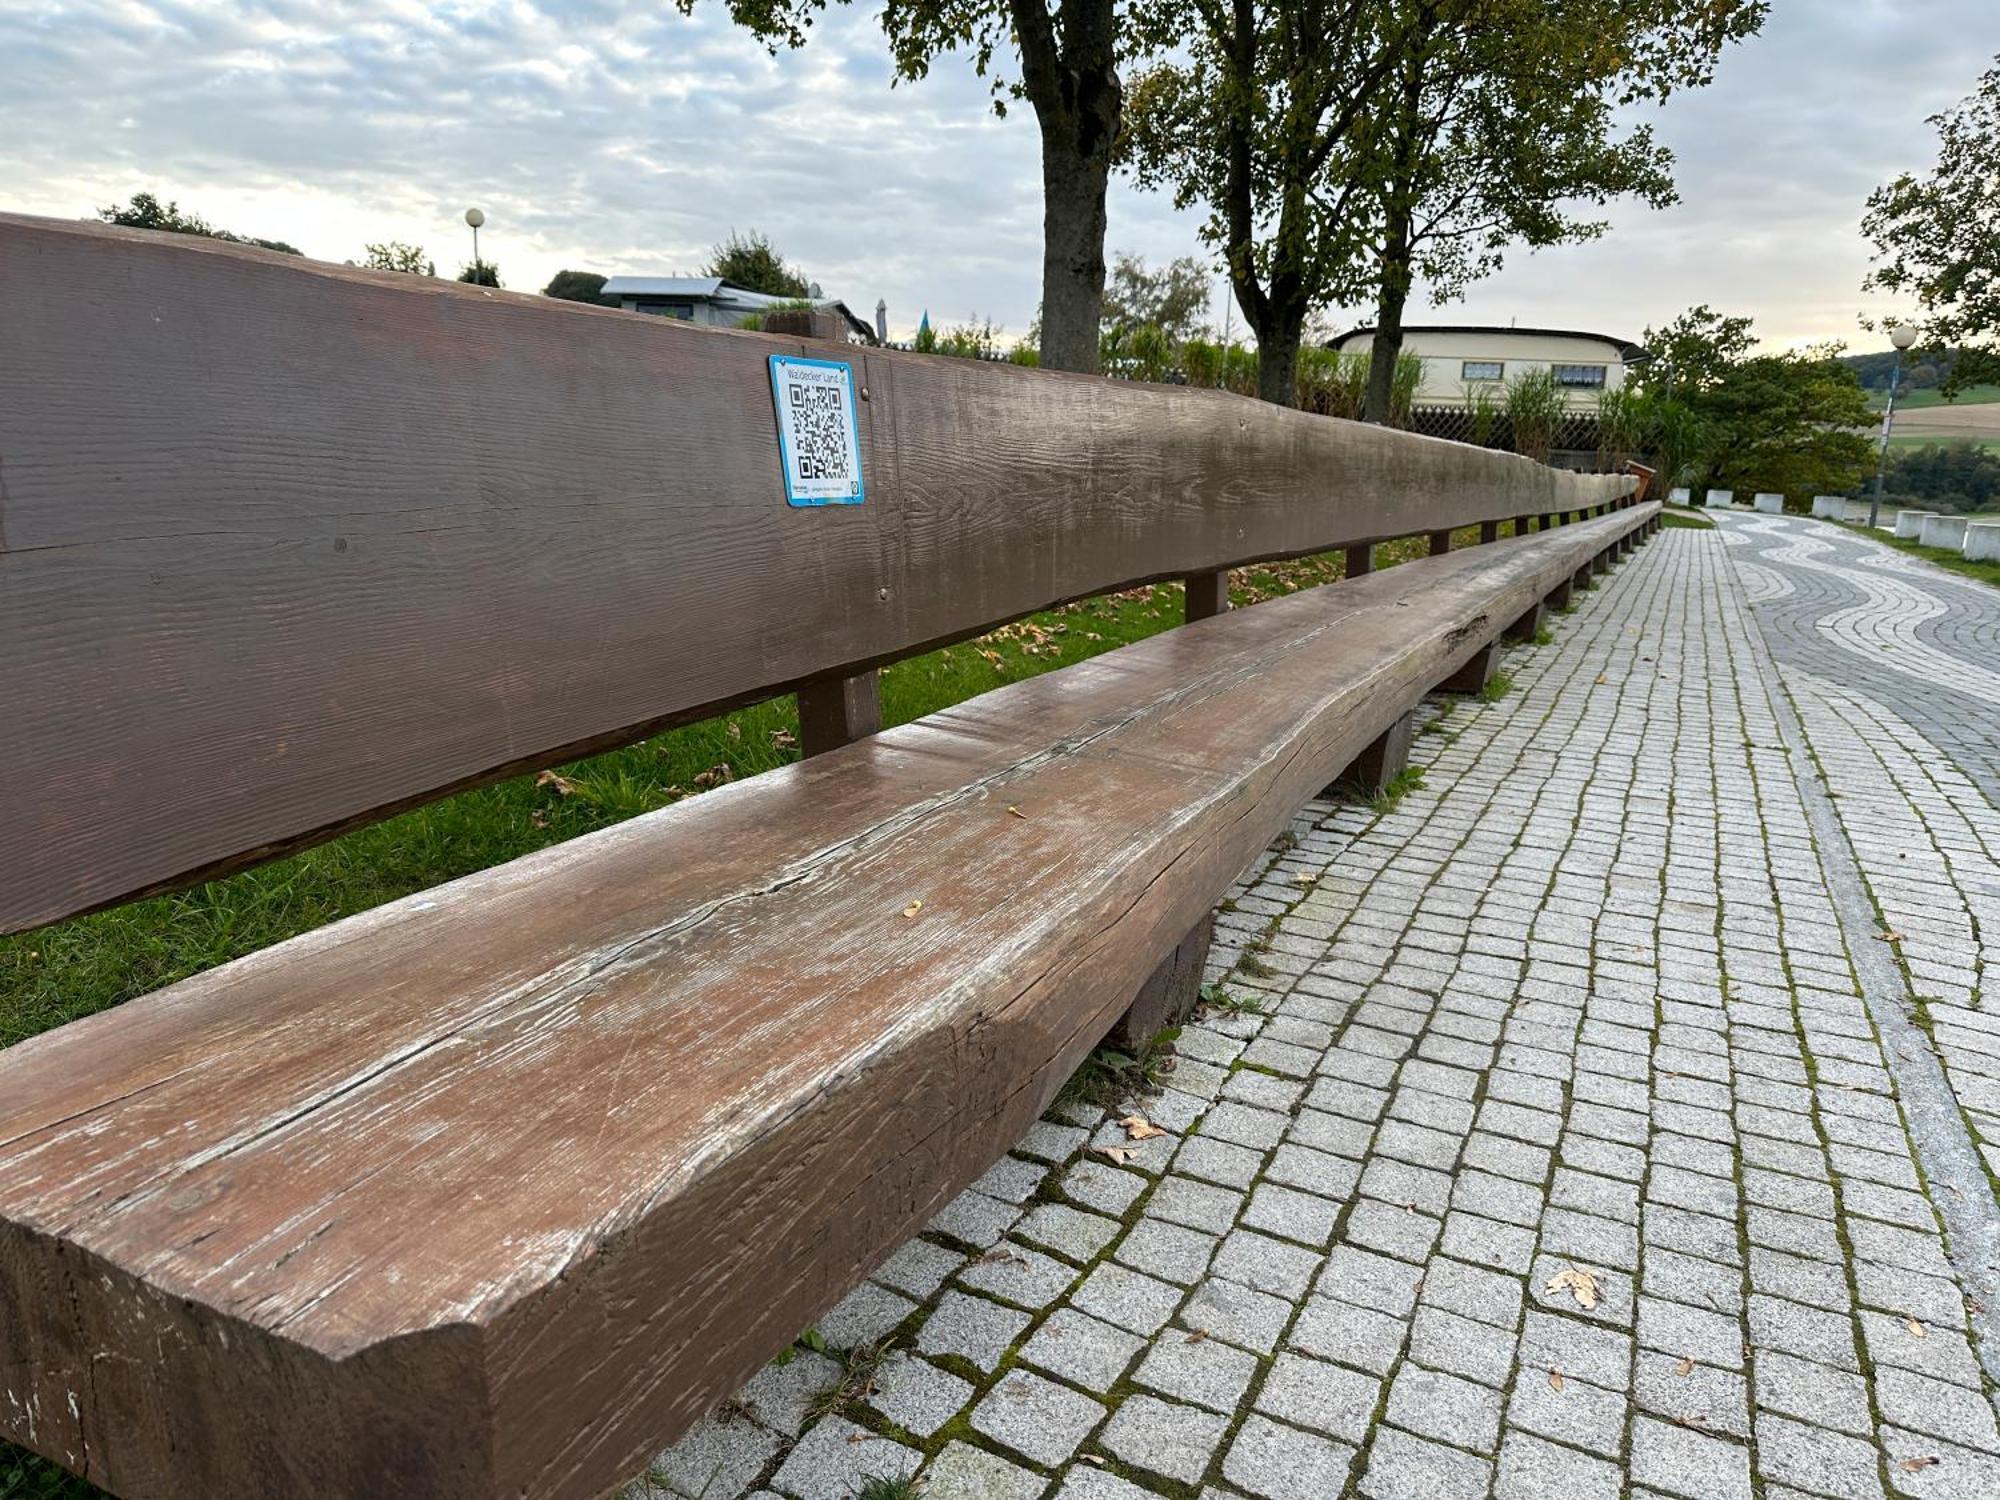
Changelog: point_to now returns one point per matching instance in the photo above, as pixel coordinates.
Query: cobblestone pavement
(1572, 1140)
(1893, 666)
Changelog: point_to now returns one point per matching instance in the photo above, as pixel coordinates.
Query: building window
(1481, 369)
(1583, 375)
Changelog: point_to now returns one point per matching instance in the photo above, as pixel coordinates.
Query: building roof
(1631, 353)
(725, 293)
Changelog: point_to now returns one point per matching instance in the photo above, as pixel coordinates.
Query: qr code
(819, 431)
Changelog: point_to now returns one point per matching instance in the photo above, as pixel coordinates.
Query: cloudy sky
(622, 137)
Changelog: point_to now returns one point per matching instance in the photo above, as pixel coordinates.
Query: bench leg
(1440, 543)
(1169, 995)
(836, 711)
(1207, 594)
(1602, 562)
(1489, 531)
(1559, 596)
(1476, 673)
(1360, 560)
(1527, 627)
(1386, 758)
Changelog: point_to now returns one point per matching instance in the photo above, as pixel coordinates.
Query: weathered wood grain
(303, 544)
(494, 1189)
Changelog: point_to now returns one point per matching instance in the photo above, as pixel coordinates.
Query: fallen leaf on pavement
(1139, 1128)
(1685, 1367)
(913, 908)
(1913, 1465)
(1580, 1284)
(1197, 1336)
(1917, 1328)
(1119, 1154)
(1016, 812)
(1555, 1380)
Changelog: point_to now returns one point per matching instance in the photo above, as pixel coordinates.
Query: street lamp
(1902, 336)
(475, 218)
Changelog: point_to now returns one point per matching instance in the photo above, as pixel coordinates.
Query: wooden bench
(497, 1188)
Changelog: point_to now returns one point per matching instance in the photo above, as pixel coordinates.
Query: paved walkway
(1588, 1141)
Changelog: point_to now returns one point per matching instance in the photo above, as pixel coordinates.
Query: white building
(1462, 360)
(721, 304)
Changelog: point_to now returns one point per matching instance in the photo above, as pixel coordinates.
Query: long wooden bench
(496, 1188)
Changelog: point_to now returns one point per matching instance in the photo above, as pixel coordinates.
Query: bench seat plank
(496, 1188)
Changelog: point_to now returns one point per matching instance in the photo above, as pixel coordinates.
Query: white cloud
(623, 137)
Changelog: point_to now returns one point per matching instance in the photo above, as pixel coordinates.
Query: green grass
(90, 963)
(1933, 440)
(1987, 572)
(1496, 687)
(1685, 518)
(1972, 395)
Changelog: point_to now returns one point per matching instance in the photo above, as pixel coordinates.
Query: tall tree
(480, 273)
(1501, 119)
(749, 261)
(1936, 238)
(395, 255)
(1066, 56)
(1247, 118)
(578, 286)
(145, 211)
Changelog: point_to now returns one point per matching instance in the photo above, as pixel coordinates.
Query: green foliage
(1173, 299)
(1496, 687)
(1693, 353)
(147, 212)
(1535, 409)
(1331, 383)
(1216, 998)
(1959, 476)
(480, 273)
(888, 1487)
(1787, 423)
(749, 261)
(1624, 416)
(1110, 1076)
(1485, 410)
(578, 286)
(1719, 415)
(1409, 374)
(395, 255)
(1935, 241)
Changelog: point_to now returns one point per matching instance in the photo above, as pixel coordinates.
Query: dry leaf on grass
(1580, 1284)
(1139, 1128)
(562, 785)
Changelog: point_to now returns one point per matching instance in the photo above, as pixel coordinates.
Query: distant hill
(1872, 370)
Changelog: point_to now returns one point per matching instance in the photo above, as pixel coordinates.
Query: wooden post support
(1523, 525)
(1602, 562)
(1489, 531)
(1169, 995)
(1559, 596)
(1370, 773)
(1477, 671)
(1440, 543)
(836, 711)
(1360, 559)
(1207, 594)
(1582, 580)
(1525, 628)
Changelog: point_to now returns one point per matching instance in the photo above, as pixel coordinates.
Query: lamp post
(475, 218)
(1902, 336)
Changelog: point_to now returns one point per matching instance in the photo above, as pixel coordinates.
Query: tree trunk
(1384, 351)
(1069, 71)
(1278, 360)
(1073, 223)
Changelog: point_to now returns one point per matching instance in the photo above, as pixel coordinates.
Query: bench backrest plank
(285, 546)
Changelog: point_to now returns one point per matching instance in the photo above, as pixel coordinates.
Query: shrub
(1535, 409)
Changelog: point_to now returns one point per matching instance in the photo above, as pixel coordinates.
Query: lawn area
(1693, 520)
(83, 965)
(1985, 572)
(1972, 395)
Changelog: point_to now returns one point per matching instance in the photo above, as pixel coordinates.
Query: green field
(1972, 395)
(1922, 440)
